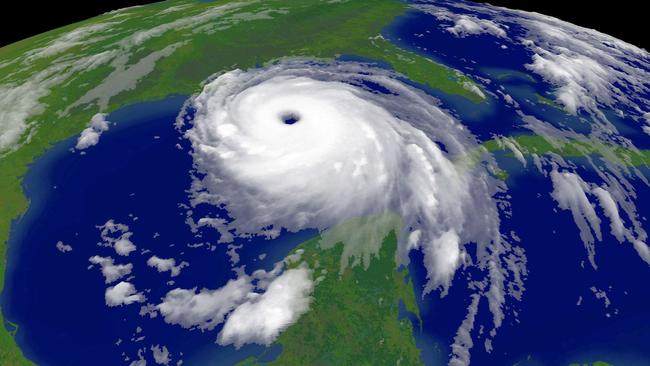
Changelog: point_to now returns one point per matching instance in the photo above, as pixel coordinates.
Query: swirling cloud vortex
(307, 145)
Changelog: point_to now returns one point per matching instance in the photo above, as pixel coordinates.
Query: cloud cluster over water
(252, 308)
(90, 136)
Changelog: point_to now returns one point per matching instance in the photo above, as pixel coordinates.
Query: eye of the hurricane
(289, 118)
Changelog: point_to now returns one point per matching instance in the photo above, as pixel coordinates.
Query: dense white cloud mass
(203, 309)
(124, 293)
(444, 254)
(263, 317)
(346, 152)
(90, 136)
(258, 150)
(255, 307)
(309, 145)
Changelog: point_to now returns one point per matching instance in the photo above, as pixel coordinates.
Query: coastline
(36, 187)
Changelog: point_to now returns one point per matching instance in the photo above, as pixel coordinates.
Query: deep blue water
(482, 55)
(139, 180)
(136, 176)
(551, 328)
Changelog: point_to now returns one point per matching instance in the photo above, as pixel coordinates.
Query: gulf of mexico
(137, 175)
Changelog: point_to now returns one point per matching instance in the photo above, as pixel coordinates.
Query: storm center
(289, 118)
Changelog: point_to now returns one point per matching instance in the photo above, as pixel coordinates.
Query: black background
(624, 19)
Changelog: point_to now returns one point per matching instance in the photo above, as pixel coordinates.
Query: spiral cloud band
(304, 145)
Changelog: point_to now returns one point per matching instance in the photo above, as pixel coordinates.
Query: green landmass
(530, 360)
(354, 318)
(420, 69)
(540, 145)
(507, 74)
(549, 102)
(263, 32)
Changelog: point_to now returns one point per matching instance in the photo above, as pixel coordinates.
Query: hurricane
(300, 144)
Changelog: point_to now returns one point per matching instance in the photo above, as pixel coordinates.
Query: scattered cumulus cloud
(111, 271)
(124, 293)
(63, 248)
(160, 355)
(124, 246)
(166, 265)
(140, 361)
(118, 237)
(463, 25)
